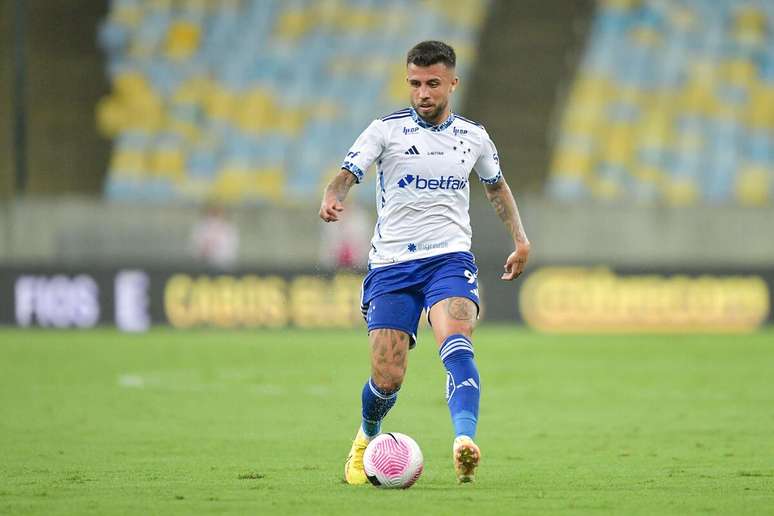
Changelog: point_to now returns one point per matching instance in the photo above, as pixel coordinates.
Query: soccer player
(420, 252)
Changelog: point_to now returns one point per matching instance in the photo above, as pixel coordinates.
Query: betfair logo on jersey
(458, 132)
(441, 183)
(410, 130)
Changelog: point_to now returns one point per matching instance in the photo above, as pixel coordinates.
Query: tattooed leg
(389, 357)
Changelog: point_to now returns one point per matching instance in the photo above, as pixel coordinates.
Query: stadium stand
(673, 103)
(244, 101)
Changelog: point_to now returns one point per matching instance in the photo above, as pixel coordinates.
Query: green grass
(259, 422)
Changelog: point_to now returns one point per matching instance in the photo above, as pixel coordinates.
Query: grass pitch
(260, 422)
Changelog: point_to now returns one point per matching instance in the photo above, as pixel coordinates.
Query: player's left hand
(516, 262)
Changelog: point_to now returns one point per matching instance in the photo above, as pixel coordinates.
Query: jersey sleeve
(487, 165)
(366, 149)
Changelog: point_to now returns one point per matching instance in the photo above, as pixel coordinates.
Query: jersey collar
(435, 128)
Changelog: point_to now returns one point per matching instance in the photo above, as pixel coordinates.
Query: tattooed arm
(499, 194)
(334, 195)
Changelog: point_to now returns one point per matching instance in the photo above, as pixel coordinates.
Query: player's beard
(433, 117)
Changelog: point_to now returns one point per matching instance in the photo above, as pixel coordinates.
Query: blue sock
(463, 389)
(376, 404)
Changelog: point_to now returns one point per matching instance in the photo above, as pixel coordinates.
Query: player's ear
(454, 83)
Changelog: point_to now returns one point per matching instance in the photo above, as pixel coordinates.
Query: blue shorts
(394, 295)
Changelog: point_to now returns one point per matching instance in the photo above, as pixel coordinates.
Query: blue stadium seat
(693, 80)
(198, 65)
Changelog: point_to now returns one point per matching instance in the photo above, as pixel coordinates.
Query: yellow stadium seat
(655, 130)
(572, 163)
(235, 184)
(270, 184)
(190, 131)
(698, 98)
(618, 145)
(168, 163)
(397, 89)
(591, 85)
(355, 20)
(749, 25)
(192, 91)
(257, 111)
(132, 105)
(739, 72)
(292, 121)
(182, 40)
(752, 185)
(649, 174)
(680, 192)
(760, 108)
(606, 189)
(293, 24)
(129, 163)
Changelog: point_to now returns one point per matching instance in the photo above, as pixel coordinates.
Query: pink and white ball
(393, 460)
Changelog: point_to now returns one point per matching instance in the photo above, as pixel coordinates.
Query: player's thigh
(453, 315)
(389, 357)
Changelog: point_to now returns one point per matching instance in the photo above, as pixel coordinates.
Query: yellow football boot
(466, 458)
(354, 473)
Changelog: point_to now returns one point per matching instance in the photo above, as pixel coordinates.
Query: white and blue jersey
(422, 188)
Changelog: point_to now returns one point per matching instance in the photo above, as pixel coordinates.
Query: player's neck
(441, 118)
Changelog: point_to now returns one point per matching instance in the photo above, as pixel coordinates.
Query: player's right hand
(330, 209)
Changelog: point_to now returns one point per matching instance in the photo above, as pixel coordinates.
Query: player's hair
(428, 53)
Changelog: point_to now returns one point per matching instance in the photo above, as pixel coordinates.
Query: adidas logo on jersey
(412, 151)
(442, 183)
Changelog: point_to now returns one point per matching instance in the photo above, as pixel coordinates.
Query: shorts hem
(411, 334)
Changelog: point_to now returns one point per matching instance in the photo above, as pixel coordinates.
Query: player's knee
(467, 331)
(388, 377)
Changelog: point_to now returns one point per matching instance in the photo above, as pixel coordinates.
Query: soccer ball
(393, 460)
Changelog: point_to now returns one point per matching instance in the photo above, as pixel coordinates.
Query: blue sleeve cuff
(492, 180)
(348, 165)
